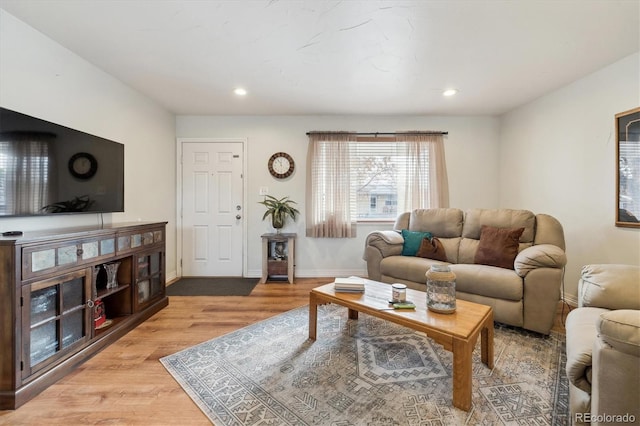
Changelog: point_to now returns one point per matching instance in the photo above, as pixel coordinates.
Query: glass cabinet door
(57, 317)
(149, 278)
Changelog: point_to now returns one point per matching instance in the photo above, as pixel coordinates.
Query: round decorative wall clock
(281, 165)
(83, 165)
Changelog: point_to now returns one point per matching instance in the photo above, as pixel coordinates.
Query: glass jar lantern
(441, 289)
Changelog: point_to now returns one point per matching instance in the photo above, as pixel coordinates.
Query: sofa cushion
(489, 281)
(407, 268)
(620, 329)
(610, 286)
(440, 222)
(499, 218)
(412, 240)
(451, 247)
(498, 246)
(432, 248)
(581, 333)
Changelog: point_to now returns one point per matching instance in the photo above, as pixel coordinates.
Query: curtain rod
(381, 133)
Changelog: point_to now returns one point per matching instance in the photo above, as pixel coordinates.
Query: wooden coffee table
(457, 332)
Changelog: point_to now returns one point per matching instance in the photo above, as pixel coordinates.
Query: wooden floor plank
(126, 384)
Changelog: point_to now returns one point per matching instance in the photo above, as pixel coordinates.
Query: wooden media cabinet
(58, 306)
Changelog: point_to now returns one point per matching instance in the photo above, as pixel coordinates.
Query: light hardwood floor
(126, 384)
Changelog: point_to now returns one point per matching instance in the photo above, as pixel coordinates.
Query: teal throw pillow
(412, 241)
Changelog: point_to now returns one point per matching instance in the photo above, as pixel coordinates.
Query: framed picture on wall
(628, 168)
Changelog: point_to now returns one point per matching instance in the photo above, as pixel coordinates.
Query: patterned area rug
(367, 372)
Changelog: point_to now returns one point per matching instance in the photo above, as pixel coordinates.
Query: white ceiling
(341, 57)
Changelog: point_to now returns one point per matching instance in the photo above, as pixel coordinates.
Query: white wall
(39, 77)
(472, 161)
(554, 155)
(557, 156)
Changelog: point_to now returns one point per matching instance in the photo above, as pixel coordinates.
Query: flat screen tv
(48, 169)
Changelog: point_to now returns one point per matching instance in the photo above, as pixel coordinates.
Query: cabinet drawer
(132, 241)
(278, 267)
(44, 259)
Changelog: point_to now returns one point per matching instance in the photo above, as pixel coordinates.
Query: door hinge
(21, 301)
(181, 263)
(21, 365)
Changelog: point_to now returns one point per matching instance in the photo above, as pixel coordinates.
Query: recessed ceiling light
(449, 92)
(240, 91)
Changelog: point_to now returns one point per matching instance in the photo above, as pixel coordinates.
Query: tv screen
(49, 169)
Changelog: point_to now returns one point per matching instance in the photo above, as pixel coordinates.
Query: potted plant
(279, 209)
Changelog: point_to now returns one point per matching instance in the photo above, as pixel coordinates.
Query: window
(383, 169)
(372, 204)
(363, 178)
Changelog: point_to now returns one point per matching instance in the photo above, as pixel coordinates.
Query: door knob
(238, 217)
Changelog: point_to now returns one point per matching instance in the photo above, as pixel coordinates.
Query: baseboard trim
(570, 299)
(171, 276)
(314, 273)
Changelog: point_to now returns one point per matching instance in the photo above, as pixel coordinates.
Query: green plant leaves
(279, 207)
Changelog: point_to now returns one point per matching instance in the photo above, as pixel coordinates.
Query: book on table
(352, 284)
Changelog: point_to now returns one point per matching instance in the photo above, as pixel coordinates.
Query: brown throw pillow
(432, 248)
(498, 246)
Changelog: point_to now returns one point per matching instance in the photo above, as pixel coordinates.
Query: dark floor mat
(212, 286)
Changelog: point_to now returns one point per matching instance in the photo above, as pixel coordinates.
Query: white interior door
(212, 212)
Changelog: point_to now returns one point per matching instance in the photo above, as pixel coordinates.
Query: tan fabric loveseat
(603, 346)
(524, 295)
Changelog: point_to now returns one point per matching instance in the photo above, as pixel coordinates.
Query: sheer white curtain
(334, 189)
(26, 170)
(331, 193)
(425, 174)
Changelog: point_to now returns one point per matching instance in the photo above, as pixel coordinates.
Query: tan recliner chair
(603, 347)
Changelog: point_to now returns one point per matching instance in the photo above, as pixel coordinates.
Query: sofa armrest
(388, 243)
(610, 286)
(378, 245)
(616, 367)
(539, 256)
(620, 329)
(580, 334)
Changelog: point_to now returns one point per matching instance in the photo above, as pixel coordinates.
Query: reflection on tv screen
(46, 168)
